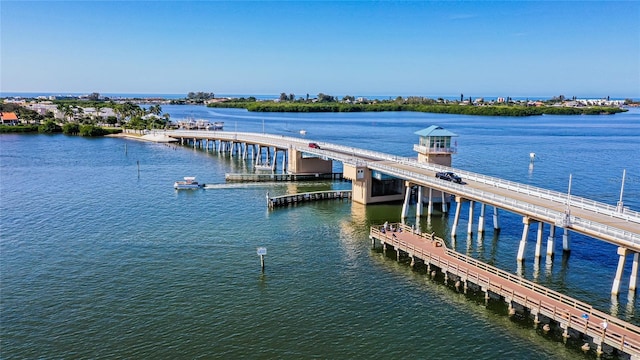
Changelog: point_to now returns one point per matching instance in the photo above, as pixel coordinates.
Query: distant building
(9, 118)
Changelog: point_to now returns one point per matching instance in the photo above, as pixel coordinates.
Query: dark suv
(449, 176)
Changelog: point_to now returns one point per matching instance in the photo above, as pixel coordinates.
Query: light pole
(620, 203)
(567, 211)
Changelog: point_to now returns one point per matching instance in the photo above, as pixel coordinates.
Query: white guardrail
(351, 155)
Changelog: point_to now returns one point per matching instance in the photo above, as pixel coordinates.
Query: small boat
(218, 125)
(303, 132)
(189, 182)
(263, 167)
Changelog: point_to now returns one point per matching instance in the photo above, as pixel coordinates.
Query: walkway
(564, 310)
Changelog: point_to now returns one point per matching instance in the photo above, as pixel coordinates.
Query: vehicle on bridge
(449, 176)
(314, 146)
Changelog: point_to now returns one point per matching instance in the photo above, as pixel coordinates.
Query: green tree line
(485, 110)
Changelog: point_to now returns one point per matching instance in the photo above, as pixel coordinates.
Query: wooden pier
(280, 177)
(545, 305)
(292, 199)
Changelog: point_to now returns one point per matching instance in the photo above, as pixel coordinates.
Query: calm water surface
(98, 260)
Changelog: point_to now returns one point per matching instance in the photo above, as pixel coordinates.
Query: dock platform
(292, 199)
(548, 307)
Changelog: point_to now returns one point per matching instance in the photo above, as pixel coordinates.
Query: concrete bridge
(378, 177)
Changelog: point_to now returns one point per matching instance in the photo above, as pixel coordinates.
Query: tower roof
(434, 130)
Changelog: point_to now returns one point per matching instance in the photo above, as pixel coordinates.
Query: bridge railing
(550, 195)
(623, 237)
(555, 196)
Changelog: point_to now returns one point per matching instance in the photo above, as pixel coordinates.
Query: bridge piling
(496, 222)
(481, 218)
(419, 207)
(633, 281)
(470, 222)
(550, 240)
(430, 203)
(523, 241)
(615, 288)
(407, 198)
(566, 240)
(456, 217)
(539, 240)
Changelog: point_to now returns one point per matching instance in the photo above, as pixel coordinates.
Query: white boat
(303, 132)
(218, 125)
(263, 167)
(189, 182)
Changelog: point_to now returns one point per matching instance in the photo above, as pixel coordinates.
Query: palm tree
(68, 113)
(62, 108)
(166, 119)
(155, 110)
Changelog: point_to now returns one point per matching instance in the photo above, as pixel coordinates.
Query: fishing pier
(548, 308)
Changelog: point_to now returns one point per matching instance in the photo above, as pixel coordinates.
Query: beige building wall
(361, 184)
(300, 165)
(438, 159)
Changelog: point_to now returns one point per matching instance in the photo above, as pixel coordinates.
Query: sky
(358, 48)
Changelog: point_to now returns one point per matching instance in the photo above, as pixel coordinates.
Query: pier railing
(620, 334)
(290, 199)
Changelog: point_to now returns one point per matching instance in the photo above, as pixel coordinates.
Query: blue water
(101, 258)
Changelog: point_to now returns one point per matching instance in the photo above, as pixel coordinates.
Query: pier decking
(558, 309)
(292, 199)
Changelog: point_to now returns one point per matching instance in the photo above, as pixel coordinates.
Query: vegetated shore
(484, 110)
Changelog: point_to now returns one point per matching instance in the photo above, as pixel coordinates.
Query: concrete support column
(284, 161)
(496, 222)
(552, 234)
(633, 281)
(481, 218)
(419, 202)
(566, 240)
(444, 202)
(430, 204)
(407, 198)
(539, 240)
(523, 241)
(259, 155)
(622, 252)
(470, 224)
(457, 216)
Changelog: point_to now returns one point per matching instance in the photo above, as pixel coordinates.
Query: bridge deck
(568, 312)
(598, 220)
